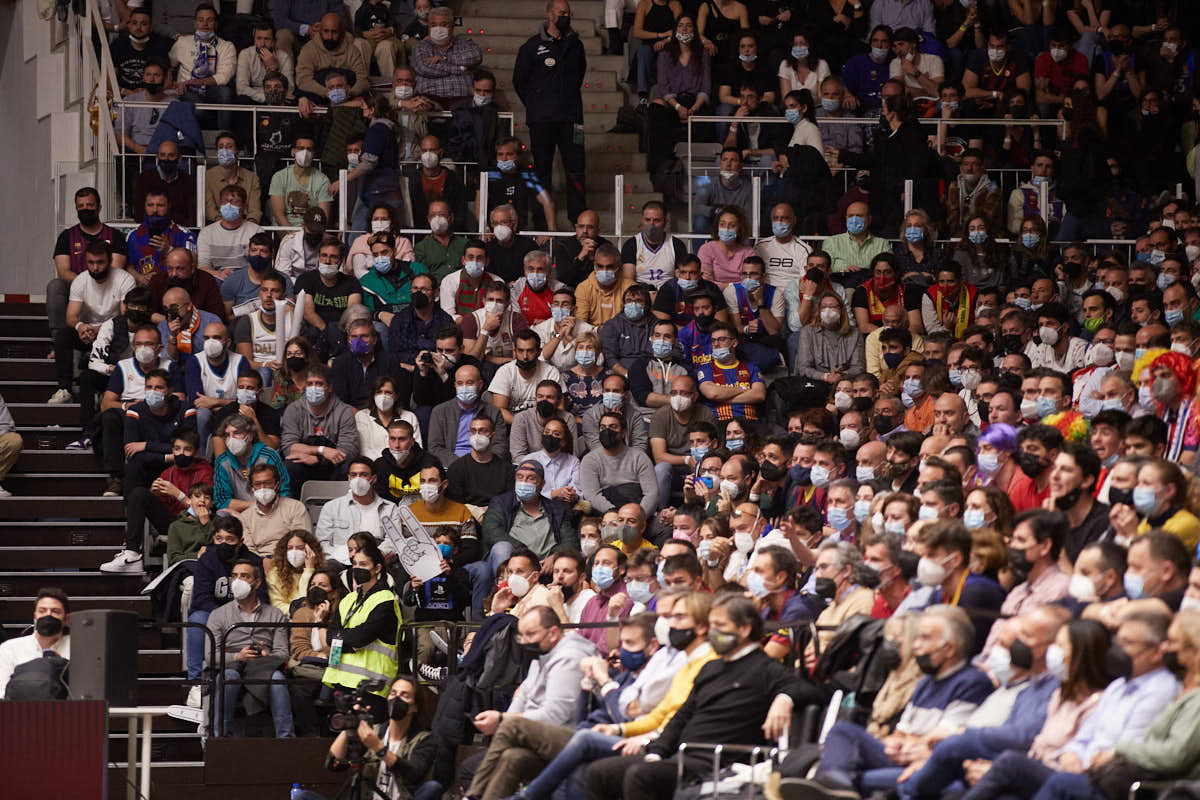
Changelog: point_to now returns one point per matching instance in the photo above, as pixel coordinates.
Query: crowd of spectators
(951, 444)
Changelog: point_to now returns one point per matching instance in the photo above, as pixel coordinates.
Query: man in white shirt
(253, 64)
(225, 244)
(783, 254)
(51, 615)
(360, 509)
(1056, 348)
(559, 331)
(515, 384)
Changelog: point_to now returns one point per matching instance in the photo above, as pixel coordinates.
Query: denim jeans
(481, 582)
(585, 746)
(204, 425)
(1012, 773)
(281, 703)
(849, 752)
(196, 645)
(498, 555)
(1068, 786)
(944, 765)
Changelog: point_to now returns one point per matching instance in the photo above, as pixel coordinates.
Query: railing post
(687, 173)
(755, 206)
(908, 195)
(483, 201)
(1044, 204)
(201, 169)
(1179, 191)
(342, 200)
(618, 205)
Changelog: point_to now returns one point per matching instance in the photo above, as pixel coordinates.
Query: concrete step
(62, 508)
(511, 44)
(25, 346)
(109, 535)
(531, 9)
(94, 583)
(34, 369)
(593, 122)
(47, 437)
(604, 142)
(20, 608)
(482, 29)
(26, 484)
(23, 308)
(17, 391)
(594, 101)
(38, 413)
(597, 78)
(600, 181)
(178, 746)
(47, 557)
(77, 462)
(499, 57)
(24, 325)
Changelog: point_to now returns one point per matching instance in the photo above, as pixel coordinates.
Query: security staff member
(548, 75)
(362, 635)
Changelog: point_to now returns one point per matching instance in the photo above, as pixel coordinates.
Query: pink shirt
(1062, 721)
(716, 266)
(596, 610)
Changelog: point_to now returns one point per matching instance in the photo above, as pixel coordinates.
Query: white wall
(27, 229)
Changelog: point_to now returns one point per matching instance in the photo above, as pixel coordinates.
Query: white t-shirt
(18, 651)
(812, 83)
(786, 263)
(101, 301)
(521, 391)
(776, 306)
(930, 65)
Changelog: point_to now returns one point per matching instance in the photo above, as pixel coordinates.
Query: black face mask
(1011, 343)
(1122, 496)
(420, 301)
(184, 461)
(1069, 499)
(899, 471)
(295, 363)
(551, 444)
(361, 575)
(151, 88)
(862, 404)
(1019, 562)
(925, 662)
(532, 648)
(398, 709)
(610, 439)
(48, 626)
(884, 423)
(888, 655)
(526, 364)
(985, 409)
(825, 588)
(546, 409)
(259, 263)
(1170, 661)
(563, 23)
(1117, 662)
(1021, 654)
(316, 596)
(88, 216)
(868, 577)
(226, 551)
(1030, 463)
(1073, 269)
(331, 44)
(771, 471)
(680, 638)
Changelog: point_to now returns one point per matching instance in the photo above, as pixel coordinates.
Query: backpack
(42, 678)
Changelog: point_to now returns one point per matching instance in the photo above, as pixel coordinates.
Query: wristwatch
(381, 752)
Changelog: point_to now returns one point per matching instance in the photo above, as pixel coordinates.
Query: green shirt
(441, 261)
(848, 255)
(296, 196)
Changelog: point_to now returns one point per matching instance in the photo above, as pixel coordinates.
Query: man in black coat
(548, 75)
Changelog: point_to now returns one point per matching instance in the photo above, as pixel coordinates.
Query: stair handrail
(101, 74)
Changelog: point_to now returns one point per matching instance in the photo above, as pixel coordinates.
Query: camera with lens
(172, 312)
(353, 707)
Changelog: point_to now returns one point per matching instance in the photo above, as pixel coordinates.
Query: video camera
(353, 707)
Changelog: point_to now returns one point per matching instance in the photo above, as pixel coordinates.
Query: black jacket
(352, 384)
(548, 75)
(895, 157)
(455, 195)
(474, 131)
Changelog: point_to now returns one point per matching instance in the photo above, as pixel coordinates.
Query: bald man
(330, 48)
(573, 256)
(950, 416)
(449, 423)
(182, 323)
(669, 427)
(746, 525)
(633, 528)
(180, 270)
(869, 458)
(210, 378)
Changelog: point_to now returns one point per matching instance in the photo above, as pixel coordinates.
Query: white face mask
(439, 33)
(145, 354)
(743, 542)
(430, 159)
(295, 558)
(384, 402)
(480, 442)
(236, 445)
(439, 224)
(1082, 588)
(265, 496)
(589, 546)
(380, 225)
(303, 158)
(240, 589)
(493, 307)
(403, 92)
(518, 585)
(359, 486)
(830, 316)
(429, 493)
(503, 232)
(213, 348)
(327, 270)
(680, 404)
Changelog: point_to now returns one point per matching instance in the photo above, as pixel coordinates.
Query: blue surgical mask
(155, 398)
(230, 212)
(973, 518)
(756, 585)
(585, 357)
(914, 233)
(879, 53)
(246, 397)
(1038, 180)
(639, 591)
(634, 311)
(315, 395)
(467, 395)
(698, 453)
(831, 104)
(1165, 279)
(687, 284)
(727, 235)
(748, 58)
(780, 228)
(988, 462)
(1138, 352)
(721, 354)
(611, 400)
(1112, 404)
(1022, 303)
(977, 237)
(559, 313)
(792, 115)
(1030, 240)
(1173, 315)
(660, 347)
(226, 157)
(734, 444)
(473, 268)
(632, 660)
(799, 51)
(1145, 500)
(862, 509)
(536, 280)
(1045, 406)
(382, 264)
(445, 549)
(206, 36)
(838, 518)
(819, 476)
(912, 387)
(856, 224)
(337, 96)
(956, 377)
(525, 490)
(927, 512)
(1143, 257)
(750, 284)
(603, 576)
(506, 166)
(1135, 586)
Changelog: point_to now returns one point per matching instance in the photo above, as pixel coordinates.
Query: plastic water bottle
(296, 791)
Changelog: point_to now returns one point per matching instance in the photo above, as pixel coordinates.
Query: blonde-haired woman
(896, 655)
(296, 557)
(829, 348)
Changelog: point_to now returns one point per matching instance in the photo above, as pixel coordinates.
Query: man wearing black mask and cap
(51, 615)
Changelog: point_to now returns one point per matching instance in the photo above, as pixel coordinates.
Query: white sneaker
(128, 561)
(5, 492)
(82, 443)
(193, 699)
(60, 397)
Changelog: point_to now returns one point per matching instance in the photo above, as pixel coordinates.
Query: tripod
(352, 788)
